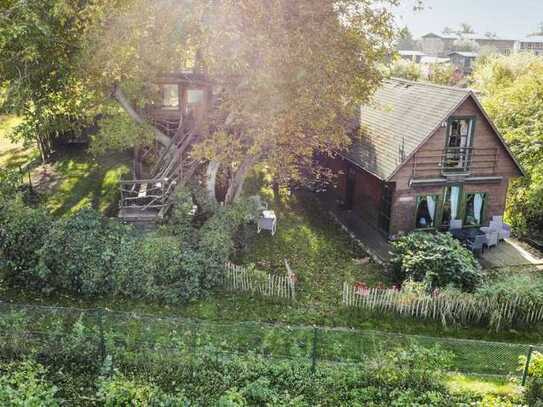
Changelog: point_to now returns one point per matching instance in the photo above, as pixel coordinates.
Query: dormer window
(170, 96)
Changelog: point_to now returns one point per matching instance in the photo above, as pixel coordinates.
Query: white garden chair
(503, 229)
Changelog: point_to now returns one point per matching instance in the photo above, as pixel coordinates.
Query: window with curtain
(170, 96)
(450, 208)
(474, 208)
(426, 211)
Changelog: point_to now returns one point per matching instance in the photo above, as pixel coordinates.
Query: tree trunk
(236, 184)
(211, 179)
(120, 97)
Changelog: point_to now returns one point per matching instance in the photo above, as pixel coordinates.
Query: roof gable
(402, 117)
(403, 114)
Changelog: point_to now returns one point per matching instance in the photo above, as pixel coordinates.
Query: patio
(510, 252)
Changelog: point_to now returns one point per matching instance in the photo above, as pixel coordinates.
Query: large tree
(39, 47)
(512, 90)
(288, 76)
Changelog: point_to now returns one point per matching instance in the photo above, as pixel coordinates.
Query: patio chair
(477, 244)
(504, 230)
(491, 236)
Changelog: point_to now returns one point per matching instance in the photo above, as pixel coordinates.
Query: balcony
(454, 163)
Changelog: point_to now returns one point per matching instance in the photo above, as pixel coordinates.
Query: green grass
(13, 154)
(318, 251)
(72, 179)
(77, 179)
(483, 385)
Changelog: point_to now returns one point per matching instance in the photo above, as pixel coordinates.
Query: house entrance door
(349, 188)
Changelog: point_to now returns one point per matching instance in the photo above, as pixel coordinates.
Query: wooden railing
(455, 161)
(145, 194)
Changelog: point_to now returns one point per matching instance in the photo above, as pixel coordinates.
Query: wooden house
(426, 154)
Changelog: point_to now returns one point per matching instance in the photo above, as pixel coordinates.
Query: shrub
(22, 234)
(156, 268)
(79, 251)
(24, 385)
(179, 223)
(120, 391)
(512, 285)
(436, 259)
(533, 393)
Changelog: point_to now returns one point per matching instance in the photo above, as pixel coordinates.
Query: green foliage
(413, 375)
(533, 393)
(513, 284)
(181, 217)
(513, 90)
(119, 391)
(119, 132)
(535, 369)
(404, 69)
(23, 231)
(438, 259)
(79, 252)
(442, 74)
(25, 385)
(45, 37)
(158, 269)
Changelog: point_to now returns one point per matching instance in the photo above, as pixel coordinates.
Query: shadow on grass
(86, 181)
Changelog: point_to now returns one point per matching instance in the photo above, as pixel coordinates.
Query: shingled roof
(401, 117)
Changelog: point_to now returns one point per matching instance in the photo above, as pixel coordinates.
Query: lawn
(13, 154)
(321, 254)
(75, 179)
(72, 179)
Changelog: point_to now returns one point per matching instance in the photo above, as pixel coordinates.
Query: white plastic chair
(504, 230)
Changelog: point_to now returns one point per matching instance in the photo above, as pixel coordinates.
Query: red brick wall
(404, 200)
(367, 190)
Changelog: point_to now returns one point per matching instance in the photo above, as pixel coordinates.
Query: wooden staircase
(146, 201)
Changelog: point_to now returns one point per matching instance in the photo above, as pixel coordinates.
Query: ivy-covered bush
(23, 232)
(79, 251)
(438, 260)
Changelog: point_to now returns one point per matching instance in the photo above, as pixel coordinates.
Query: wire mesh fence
(50, 332)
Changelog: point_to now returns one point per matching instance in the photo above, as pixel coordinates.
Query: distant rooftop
(434, 60)
(408, 52)
(465, 54)
(476, 36)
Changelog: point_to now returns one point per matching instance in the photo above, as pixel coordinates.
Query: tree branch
(120, 97)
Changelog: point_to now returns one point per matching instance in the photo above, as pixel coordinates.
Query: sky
(507, 18)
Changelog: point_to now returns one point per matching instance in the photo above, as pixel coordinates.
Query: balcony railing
(455, 161)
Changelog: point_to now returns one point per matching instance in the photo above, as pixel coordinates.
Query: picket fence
(462, 308)
(238, 278)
